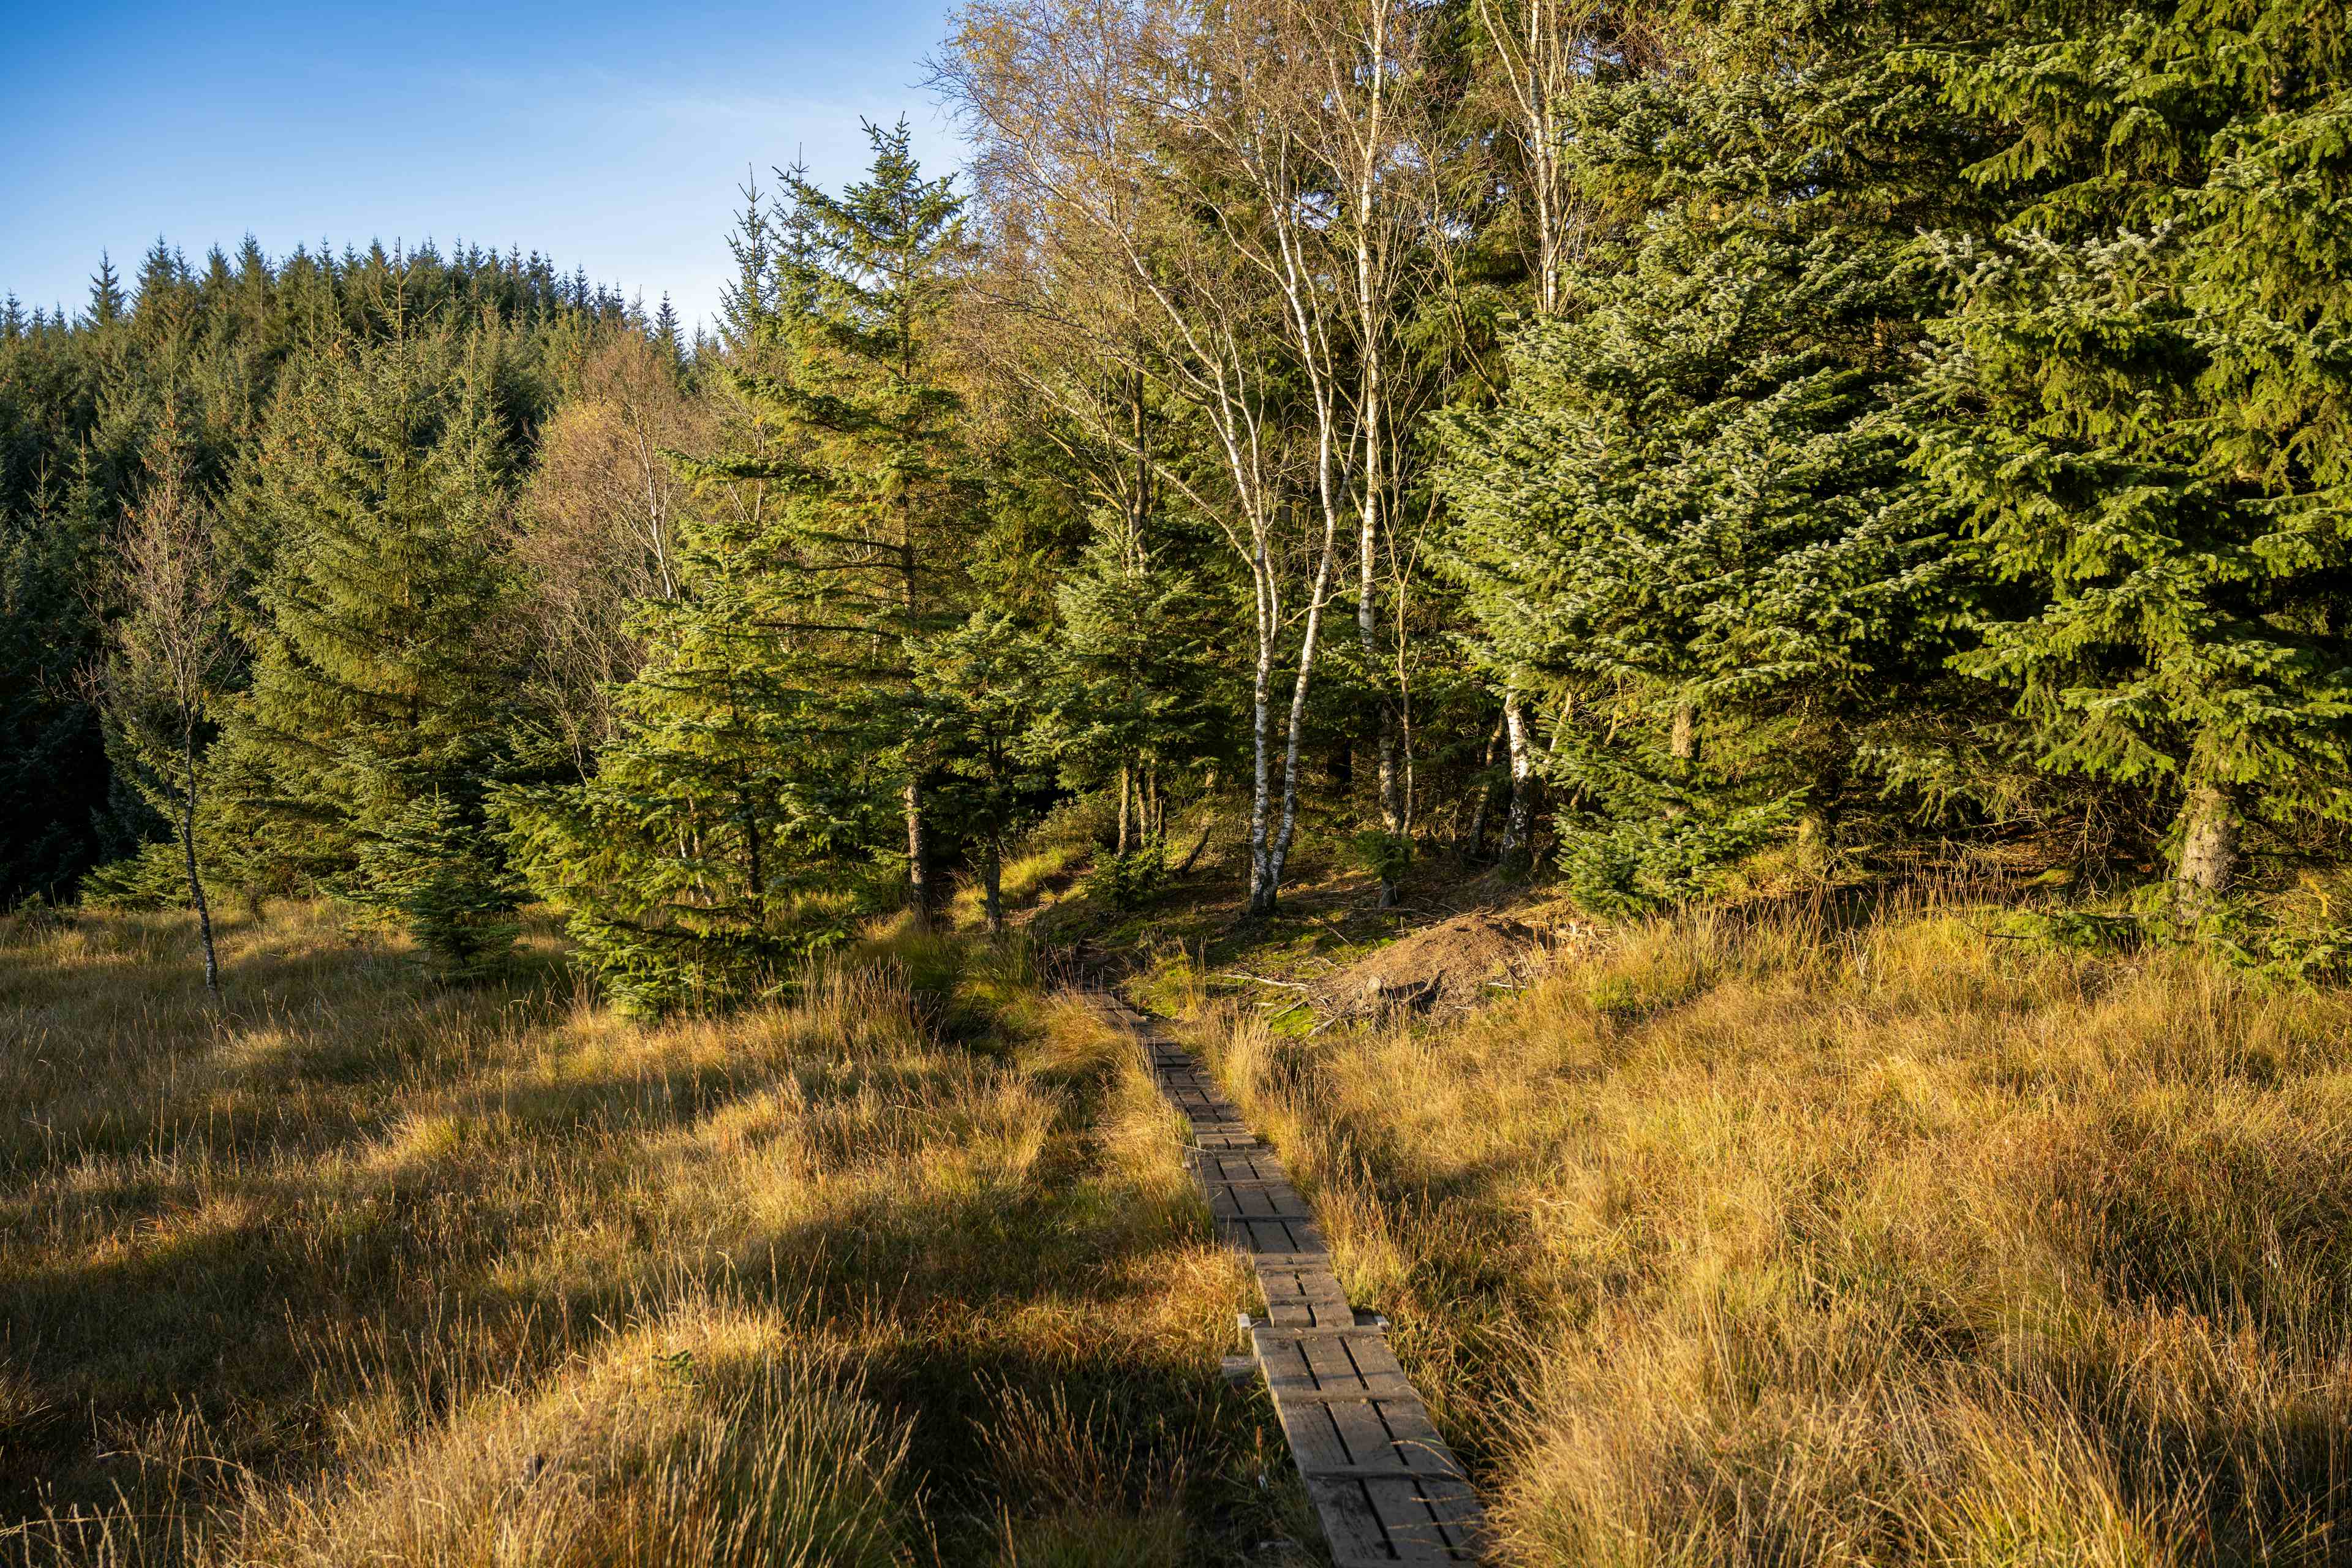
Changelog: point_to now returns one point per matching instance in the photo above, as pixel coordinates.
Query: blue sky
(609, 137)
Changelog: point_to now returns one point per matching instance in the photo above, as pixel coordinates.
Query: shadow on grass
(266, 1231)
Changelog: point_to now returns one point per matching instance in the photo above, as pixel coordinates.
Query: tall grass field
(903, 1267)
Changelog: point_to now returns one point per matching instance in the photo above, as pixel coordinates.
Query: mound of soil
(1451, 966)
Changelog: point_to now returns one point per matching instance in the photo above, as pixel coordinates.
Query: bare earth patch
(1449, 967)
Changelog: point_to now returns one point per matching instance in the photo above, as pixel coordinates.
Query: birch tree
(1246, 176)
(170, 650)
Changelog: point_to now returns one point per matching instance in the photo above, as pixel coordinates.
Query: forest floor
(1830, 1231)
(362, 1271)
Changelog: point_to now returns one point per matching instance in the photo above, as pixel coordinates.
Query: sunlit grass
(362, 1270)
(1758, 1241)
(1023, 879)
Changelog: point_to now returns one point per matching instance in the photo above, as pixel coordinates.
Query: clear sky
(608, 137)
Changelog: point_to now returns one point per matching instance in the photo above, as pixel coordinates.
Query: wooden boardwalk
(1387, 1487)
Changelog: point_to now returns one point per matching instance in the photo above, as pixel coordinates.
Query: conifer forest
(1702, 649)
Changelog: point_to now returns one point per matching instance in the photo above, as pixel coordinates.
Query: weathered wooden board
(1384, 1483)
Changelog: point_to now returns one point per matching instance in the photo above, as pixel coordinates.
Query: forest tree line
(1621, 438)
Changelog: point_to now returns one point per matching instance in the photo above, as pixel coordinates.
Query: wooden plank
(1427, 1520)
(1311, 1317)
(1311, 1396)
(1367, 1435)
(1349, 1522)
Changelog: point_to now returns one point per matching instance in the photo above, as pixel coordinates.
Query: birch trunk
(1262, 872)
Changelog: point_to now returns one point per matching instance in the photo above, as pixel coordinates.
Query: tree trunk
(1475, 841)
(1278, 852)
(1817, 824)
(1519, 827)
(992, 886)
(919, 865)
(755, 886)
(1261, 873)
(1367, 625)
(195, 882)
(2209, 849)
(1683, 744)
(1123, 792)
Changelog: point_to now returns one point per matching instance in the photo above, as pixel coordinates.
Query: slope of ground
(1774, 1241)
(366, 1271)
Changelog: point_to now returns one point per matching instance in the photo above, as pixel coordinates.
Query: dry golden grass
(1766, 1243)
(362, 1271)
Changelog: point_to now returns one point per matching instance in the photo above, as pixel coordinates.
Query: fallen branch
(1262, 980)
(1198, 845)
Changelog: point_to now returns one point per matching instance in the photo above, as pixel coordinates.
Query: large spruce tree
(1689, 526)
(375, 712)
(876, 492)
(2145, 401)
(780, 720)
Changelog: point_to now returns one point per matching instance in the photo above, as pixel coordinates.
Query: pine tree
(2144, 405)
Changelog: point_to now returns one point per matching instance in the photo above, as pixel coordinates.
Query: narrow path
(1387, 1487)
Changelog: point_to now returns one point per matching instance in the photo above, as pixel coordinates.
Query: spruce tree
(724, 785)
(2145, 404)
(982, 700)
(1132, 674)
(376, 694)
(878, 494)
(1688, 527)
(108, 303)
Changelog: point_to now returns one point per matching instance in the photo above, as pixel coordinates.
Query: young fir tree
(2144, 403)
(878, 493)
(982, 700)
(377, 697)
(779, 723)
(724, 785)
(1688, 526)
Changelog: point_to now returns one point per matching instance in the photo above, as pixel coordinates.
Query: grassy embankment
(360, 1271)
(1770, 1241)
